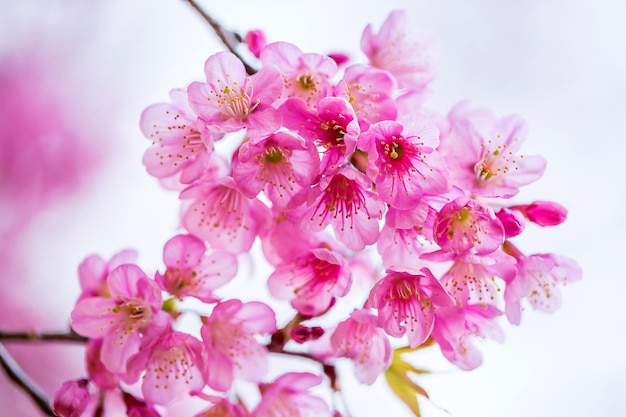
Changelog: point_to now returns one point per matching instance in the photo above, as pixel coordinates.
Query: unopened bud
(512, 220)
(544, 213)
(255, 39)
(71, 399)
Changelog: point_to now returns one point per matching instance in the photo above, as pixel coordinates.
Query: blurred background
(75, 77)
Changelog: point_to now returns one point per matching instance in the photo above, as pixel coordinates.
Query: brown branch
(34, 336)
(15, 374)
(229, 38)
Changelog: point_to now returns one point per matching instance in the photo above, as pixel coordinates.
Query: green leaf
(397, 376)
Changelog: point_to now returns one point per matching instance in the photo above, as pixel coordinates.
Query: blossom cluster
(358, 193)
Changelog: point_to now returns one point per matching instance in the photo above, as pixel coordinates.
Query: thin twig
(33, 336)
(229, 38)
(15, 374)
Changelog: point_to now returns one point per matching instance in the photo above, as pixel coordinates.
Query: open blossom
(370, 92)
(132, 312)
(305, 75)
(231, 100)
(94, 271)
(464, 225)
(333, 127)
(191, 271)
(409, 57)
(180, 143)
(229, 338)
(221, 215)
(173, 364)
(283, 165)
(288, 396)
(311, 280)
(344, 201)
(362, 340)
(406, 304)
(482, 152)
(536, 280)
(403, 161)
(456, 327)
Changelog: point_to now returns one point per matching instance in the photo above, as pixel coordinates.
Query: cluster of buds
(358, 193)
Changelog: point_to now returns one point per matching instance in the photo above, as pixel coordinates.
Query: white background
(560, 65)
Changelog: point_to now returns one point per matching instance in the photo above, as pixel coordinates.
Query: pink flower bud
(512, 220)
(139, 408)
(71, 399)
(339, 58)
(256, 41)
(546, 213)
(301, 334)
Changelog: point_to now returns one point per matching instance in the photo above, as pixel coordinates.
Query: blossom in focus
(406, 304)
(288, 396)
(231, 99)
(123, 320)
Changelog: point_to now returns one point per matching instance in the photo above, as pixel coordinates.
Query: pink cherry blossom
(409, 57)
(231, 100)
(221, 215)
(132, 312)
(172, 365)
(536, 280)
(403, 161)
(180, 144)
(544, 213)
(482, 153)
(96, 370)
(288, 396)
(193, 272)
(465, 225)
(370, 92)
(255, 39)
(360, 339)
(333, 127)
(407, 302)
(472, 279)
(344, 201)
(94, 271)
(455, 327)
(311, 280)
(229, 338)
(282, 165)
(71, 399)
(305, 75)
(512, 221)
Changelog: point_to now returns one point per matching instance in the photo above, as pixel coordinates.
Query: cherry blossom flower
(344, 201)
(482, 153)
(311, 280)
(180, 144)
(333, 127)
(403, 161)
(406, 304)
(465, 225)
(455, 327)
(94, 271)
(229, 338)
(231, 100)
(282, 165)
(409, 57)
(221, 215)
(132, 312)
(369, 91)
(360, 339)
(191, 272)
(173, 364)
(305, 75)
(288, 396)
(536, 280)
